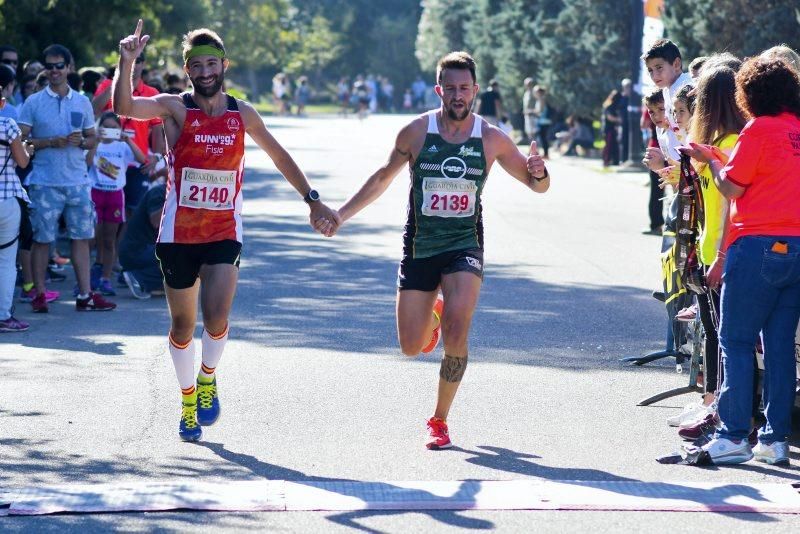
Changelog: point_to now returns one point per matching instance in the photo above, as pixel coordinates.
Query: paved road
(314, 387)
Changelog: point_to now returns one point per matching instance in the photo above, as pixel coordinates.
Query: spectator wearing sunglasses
(60, 124)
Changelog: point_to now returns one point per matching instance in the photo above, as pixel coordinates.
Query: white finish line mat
(339, 495)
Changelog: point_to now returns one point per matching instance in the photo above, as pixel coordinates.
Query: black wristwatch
(311, 196)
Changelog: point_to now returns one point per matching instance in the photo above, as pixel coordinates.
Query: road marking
(282, 495)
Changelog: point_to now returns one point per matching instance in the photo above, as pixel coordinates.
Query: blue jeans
(761, 293)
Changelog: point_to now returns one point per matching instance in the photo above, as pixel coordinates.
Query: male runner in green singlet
(449, 152)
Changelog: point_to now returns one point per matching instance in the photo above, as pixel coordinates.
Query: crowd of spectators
(73, 170)
(727, 142)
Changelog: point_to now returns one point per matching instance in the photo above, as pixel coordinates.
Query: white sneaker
(701, 413)
(690, 410)
(724, 451)
(774, 453)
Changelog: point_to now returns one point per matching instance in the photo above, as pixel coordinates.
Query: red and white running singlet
(204, 192)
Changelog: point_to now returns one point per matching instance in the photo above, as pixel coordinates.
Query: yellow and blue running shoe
(207, 402)
(188, 429)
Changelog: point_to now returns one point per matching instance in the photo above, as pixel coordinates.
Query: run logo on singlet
(444, 211)
(204, 193)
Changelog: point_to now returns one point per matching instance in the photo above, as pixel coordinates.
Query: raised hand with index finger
(131, 46)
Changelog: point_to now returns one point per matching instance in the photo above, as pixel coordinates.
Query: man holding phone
(60, 124)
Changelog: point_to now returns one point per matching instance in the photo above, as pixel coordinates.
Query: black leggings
(711, 355)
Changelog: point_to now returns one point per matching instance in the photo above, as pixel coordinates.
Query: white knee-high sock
(213, 345)
(183, 360)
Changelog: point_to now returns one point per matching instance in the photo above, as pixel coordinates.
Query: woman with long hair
(761, 248)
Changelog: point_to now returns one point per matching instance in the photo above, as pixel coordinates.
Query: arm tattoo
(452, 369)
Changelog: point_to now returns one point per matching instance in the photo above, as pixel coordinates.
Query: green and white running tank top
(444, 205)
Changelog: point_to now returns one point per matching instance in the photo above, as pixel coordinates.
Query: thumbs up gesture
(535, 162)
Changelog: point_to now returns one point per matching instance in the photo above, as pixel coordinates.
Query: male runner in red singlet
(201, 227)
(449, 152)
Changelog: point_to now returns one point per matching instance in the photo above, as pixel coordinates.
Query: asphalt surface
(314, 387)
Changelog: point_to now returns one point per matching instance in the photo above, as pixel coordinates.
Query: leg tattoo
(452, 369)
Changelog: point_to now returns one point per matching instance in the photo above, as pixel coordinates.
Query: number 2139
(449, 202)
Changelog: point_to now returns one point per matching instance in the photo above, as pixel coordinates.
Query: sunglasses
(60, 65)
(7, 61)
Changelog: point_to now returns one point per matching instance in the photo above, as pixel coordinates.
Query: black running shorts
(425, 274)
(181, 262)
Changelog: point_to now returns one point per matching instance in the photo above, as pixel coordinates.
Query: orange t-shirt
(766, 162)
(141, 128)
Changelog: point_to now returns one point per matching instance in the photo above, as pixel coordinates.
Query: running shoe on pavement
(723, 451)
(207, 402)
(772, 454)
(707, 425)
(105, 288)
(94, 302)
(188, 429)
(698, 416)
(690, 411)
(27, 296)
(438, 436)
(438, 306)
(133, 284)
(13, 324)
(39, 303)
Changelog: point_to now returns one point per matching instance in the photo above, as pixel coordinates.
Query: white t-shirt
(668, 136)
(111, 161)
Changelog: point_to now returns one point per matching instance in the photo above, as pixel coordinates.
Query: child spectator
(108, 162)
(654, 105)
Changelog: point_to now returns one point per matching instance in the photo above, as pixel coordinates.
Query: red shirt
(141, 129)
(204, 192)
(766, 162)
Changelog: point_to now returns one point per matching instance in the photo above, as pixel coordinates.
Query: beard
(209, 91)
(456, 115)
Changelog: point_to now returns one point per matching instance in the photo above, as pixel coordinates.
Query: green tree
(440, 30)
(584, 53)
(742, 27)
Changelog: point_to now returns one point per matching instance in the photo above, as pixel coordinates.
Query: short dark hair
(74, 80)
(653, 98)
(767, 87)
(91, 79)
(455, 60)
(201, 36)
(109, 115)
(55, 50)
(663, 49)
(7, 75)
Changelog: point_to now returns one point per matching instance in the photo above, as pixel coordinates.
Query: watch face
(312, 196)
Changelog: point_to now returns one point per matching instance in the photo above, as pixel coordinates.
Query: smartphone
(109, 133)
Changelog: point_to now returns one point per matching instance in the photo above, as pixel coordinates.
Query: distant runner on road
(200, 235)
(449, 152)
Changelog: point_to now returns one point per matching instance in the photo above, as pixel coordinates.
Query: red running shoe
(94, 302)
(438, 438)
(39, 303)
(438, 306)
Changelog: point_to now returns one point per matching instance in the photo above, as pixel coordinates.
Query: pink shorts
(110, 206)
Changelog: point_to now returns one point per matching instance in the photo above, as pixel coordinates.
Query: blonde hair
(785, 53)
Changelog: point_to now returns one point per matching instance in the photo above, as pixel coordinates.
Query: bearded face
(207, 74)
(457, 91)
